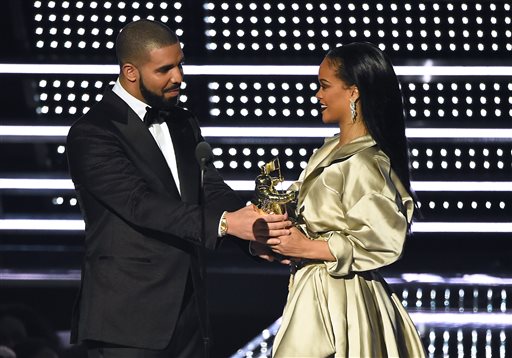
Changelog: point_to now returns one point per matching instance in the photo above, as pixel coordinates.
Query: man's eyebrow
(170, 65)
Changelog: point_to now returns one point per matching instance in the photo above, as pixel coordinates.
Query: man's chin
(165, 103)
(169, 103)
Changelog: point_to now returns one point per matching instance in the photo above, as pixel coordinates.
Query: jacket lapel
(328, 154)
(141, 142)
(184, 147)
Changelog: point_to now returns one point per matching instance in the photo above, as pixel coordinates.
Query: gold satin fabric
(349, 197)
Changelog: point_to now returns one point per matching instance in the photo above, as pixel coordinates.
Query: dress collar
(331, 152)
(356, 145)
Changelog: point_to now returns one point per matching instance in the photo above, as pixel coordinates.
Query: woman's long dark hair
(364, 65)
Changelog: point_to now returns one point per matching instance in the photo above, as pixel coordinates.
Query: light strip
(441, 186)
(269, 132)
(282, 132)
(69, 275)
(465, 133)
(459, 227)
(428, 227)
(406, 278)
(476, 319)
(42, 225)
(57, 69)
(252, 70)
(468, 279)
(34, 131)
(319, 132)
(248, 185)
(35, 184)
(461, 186)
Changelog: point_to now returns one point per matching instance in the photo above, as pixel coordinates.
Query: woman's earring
(353, 111)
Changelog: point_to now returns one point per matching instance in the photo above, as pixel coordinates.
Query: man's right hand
(249, 224)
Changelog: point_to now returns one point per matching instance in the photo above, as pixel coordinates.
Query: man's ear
(130, 72)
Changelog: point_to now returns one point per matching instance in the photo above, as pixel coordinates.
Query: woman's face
(334, 95)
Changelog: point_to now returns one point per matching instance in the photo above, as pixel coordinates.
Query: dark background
(41, 268)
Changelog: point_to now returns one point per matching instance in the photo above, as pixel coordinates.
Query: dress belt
(297, 265)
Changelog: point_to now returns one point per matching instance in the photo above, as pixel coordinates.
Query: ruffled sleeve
(374, 237)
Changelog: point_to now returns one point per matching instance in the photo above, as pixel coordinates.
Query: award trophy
(268, 198)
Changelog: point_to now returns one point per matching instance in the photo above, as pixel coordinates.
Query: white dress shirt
(159, 131)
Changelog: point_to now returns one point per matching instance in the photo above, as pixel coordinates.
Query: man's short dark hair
(139, 37)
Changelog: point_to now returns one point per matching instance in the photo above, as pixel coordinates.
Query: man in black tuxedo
(138, 185)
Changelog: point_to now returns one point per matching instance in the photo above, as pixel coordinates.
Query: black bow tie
(154, 115)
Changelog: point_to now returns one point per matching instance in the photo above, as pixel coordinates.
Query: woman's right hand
(264, 252)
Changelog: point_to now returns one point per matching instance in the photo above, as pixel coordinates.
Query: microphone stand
(203, 156)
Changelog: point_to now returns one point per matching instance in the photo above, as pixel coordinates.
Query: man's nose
(176, 75)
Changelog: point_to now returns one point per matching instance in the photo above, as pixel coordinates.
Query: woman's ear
(354, 95)
(130, 72)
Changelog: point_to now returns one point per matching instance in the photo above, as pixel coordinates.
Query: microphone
(204, 154)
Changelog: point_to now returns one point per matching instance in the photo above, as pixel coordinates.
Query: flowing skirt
(351, 316)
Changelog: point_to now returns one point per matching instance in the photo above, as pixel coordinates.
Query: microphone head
(204, 153)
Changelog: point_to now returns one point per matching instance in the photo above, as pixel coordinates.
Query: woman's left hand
(293, 245)
(298, 245)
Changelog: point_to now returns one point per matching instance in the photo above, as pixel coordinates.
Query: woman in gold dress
(354, 209)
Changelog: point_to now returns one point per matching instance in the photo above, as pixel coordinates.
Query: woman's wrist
(318, 250)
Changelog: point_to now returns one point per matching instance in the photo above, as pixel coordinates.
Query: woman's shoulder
(371, 158)
(368, 169)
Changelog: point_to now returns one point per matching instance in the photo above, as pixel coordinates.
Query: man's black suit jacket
(141, 236)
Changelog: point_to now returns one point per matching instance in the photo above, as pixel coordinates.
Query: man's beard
(155, 100)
